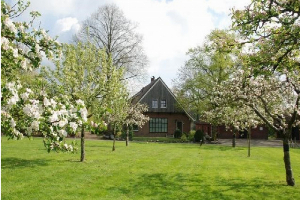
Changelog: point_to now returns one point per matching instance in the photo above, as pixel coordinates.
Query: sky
(169, 27)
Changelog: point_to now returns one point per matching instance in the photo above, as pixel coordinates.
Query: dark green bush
(199, 135)
(123, 135)
(177, 133)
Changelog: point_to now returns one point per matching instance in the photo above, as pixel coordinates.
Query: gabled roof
(141, 94)
(145, 90)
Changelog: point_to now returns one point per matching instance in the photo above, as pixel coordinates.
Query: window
(163, 103)
(158, 125)
(135, 127)
(154, 104)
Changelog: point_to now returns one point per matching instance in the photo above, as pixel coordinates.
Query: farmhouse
(165, 113)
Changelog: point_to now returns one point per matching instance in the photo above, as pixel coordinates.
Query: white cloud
(66, 24)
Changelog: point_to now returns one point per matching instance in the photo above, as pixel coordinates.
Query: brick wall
(261, 132)
(172, 118)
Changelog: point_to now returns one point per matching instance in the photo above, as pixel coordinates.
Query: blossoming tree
(271, 28)
(86, 73)
(135, 116)
(24, 112)
(274, 100)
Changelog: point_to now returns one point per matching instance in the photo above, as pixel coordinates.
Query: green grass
(145, 171)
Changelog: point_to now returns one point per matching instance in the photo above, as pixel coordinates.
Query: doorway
(179, 126)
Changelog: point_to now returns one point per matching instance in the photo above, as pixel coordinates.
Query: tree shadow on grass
(13, 163)
(183, 186)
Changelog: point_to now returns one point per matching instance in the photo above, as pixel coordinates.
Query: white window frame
(154, 105)
(165, 103)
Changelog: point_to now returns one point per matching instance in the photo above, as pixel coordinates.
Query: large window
(155, 103)
(158, 125)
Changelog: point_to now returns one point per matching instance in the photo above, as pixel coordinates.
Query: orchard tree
(274, 99)
(271, 30)
(135, 117)
(118, 113)
(109, 29)
(23, 111)
(86, 73)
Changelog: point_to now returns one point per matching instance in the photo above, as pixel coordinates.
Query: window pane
(158, 125)
(154, 104)
(163, 103)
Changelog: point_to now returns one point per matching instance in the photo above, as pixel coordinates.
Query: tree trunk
(233, 139)
(127, 136)
(114, 148)
(249, 140)
(82, 145)
(287, 162)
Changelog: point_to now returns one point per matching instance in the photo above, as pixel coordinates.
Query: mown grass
(145, 171)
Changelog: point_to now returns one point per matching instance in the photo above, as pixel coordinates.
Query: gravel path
(244, 142)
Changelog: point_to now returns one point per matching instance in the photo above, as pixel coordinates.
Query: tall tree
(271, 30)
(109, 29)
(208, 65)
(86, 73)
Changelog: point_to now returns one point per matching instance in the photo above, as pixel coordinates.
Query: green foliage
(199, 136)
(191, 135)
(124, 135)
(207, 66)
(183, 138)
(177, 133)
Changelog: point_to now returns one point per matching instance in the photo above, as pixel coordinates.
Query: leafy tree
(87, 73)
(208, 65)
(109, 29)
(271, 30)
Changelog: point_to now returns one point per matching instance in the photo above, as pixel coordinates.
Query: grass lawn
(145, 171)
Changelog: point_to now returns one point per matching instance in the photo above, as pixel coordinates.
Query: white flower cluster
(50, 116)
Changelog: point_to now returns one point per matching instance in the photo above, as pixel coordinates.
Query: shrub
(177, 133)
(191, 135)
(199, 135)
(183, 138)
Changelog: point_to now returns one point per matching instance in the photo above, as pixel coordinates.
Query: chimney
(152, 78)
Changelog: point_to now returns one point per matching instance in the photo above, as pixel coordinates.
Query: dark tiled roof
(135, 99)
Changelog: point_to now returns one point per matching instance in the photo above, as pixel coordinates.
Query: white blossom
(12, 123)
(4, 43)
(73, 125)
(62, 122)
(80, 102)
(25, 96)
(10, 25)
(15, 52)
(83, 112)
(63, 133)
(46, 102)
(35, 125)
(53, 117)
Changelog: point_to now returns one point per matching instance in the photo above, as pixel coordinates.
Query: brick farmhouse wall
(172, 118)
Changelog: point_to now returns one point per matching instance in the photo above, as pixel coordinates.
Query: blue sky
(169, 27)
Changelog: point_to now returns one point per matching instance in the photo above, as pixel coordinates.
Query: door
(179, 126)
